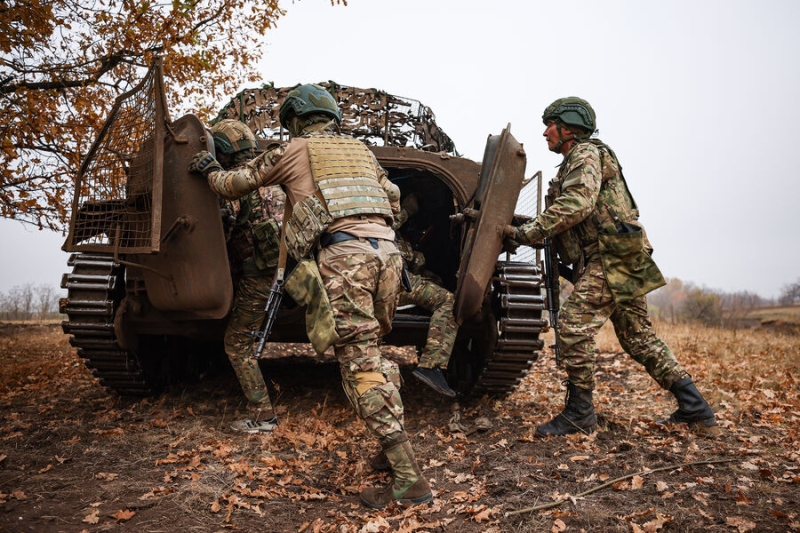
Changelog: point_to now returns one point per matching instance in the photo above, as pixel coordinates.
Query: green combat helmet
(232, 137)
(573, 111)
(306, 100)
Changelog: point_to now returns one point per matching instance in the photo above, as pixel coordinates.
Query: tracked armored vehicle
(150, 286)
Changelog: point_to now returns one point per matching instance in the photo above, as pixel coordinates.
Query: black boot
(435, 379)
(693, 409)
(577, 416)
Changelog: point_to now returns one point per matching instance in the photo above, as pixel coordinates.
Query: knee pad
(359, 384)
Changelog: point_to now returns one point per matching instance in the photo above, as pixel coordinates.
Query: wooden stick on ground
(609, 483)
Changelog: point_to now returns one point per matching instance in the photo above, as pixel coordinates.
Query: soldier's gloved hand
(510, 245)
(411, 204)
(205, 163)
(512, 232)
(511, 239)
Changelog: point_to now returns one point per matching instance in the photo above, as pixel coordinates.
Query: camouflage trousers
(443, 328)
(583, 314)
(362, 283)
(247, 316)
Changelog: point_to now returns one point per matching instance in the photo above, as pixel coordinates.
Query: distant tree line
(790, 294)
(29, 302)
(683, 301)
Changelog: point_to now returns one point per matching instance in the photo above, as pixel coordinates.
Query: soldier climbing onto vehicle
(426, 293)
(593, 220)
(349, 267)
(253, 251)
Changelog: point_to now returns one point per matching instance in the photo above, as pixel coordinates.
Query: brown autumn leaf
(742, 525)
(123, 515)
(483, 513)
(93, 517)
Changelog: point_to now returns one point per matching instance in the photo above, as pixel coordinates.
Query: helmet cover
(308, 99)
(572, 111)
(232, 136)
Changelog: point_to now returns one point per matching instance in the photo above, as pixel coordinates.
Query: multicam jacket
(289, 165)
(575, 202)
(591, 212)
(254, 241)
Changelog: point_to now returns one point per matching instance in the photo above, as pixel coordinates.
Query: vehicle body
(150, 277)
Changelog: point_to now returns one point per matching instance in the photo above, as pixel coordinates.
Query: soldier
(253, 251)
(593, 220)
(340, 232)
(428, 294)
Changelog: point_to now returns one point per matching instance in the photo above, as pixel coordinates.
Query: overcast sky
(700, 101)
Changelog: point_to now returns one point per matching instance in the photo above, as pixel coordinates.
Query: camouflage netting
(375, 117)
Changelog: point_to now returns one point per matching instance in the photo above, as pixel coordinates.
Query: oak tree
(63, 62)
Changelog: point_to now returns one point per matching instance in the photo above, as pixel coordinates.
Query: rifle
(552, 286)
(276, 291)
(270, 311)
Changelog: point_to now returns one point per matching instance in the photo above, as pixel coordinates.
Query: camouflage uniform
(362, 284)
(428, 294)
(443, 328)
(587, 187)
(361, 277)
(253, 251)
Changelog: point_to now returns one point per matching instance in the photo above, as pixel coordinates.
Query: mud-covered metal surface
(191, 273)
(502, 174)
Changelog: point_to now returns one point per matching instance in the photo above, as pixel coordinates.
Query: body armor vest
(347, 184)
(344, 172)
(256, 233)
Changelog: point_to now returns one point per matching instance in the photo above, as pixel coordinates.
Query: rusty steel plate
(502, 175)
(190, 275)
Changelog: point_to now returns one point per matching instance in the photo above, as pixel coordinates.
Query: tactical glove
(510, 245)
(511, 232)
(205, 163)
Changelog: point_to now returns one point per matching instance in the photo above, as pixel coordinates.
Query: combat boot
(577, 416)
(408, 486)
(380, 462)
(693, 409)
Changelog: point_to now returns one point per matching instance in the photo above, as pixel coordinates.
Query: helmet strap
(561, 139)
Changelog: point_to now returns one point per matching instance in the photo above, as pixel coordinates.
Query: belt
(328, 239)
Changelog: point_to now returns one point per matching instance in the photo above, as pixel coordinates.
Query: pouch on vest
(267, 244)
(630, 271)
(305, 287)
(310, 218)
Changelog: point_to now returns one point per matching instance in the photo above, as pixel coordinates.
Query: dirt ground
(76, 458)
